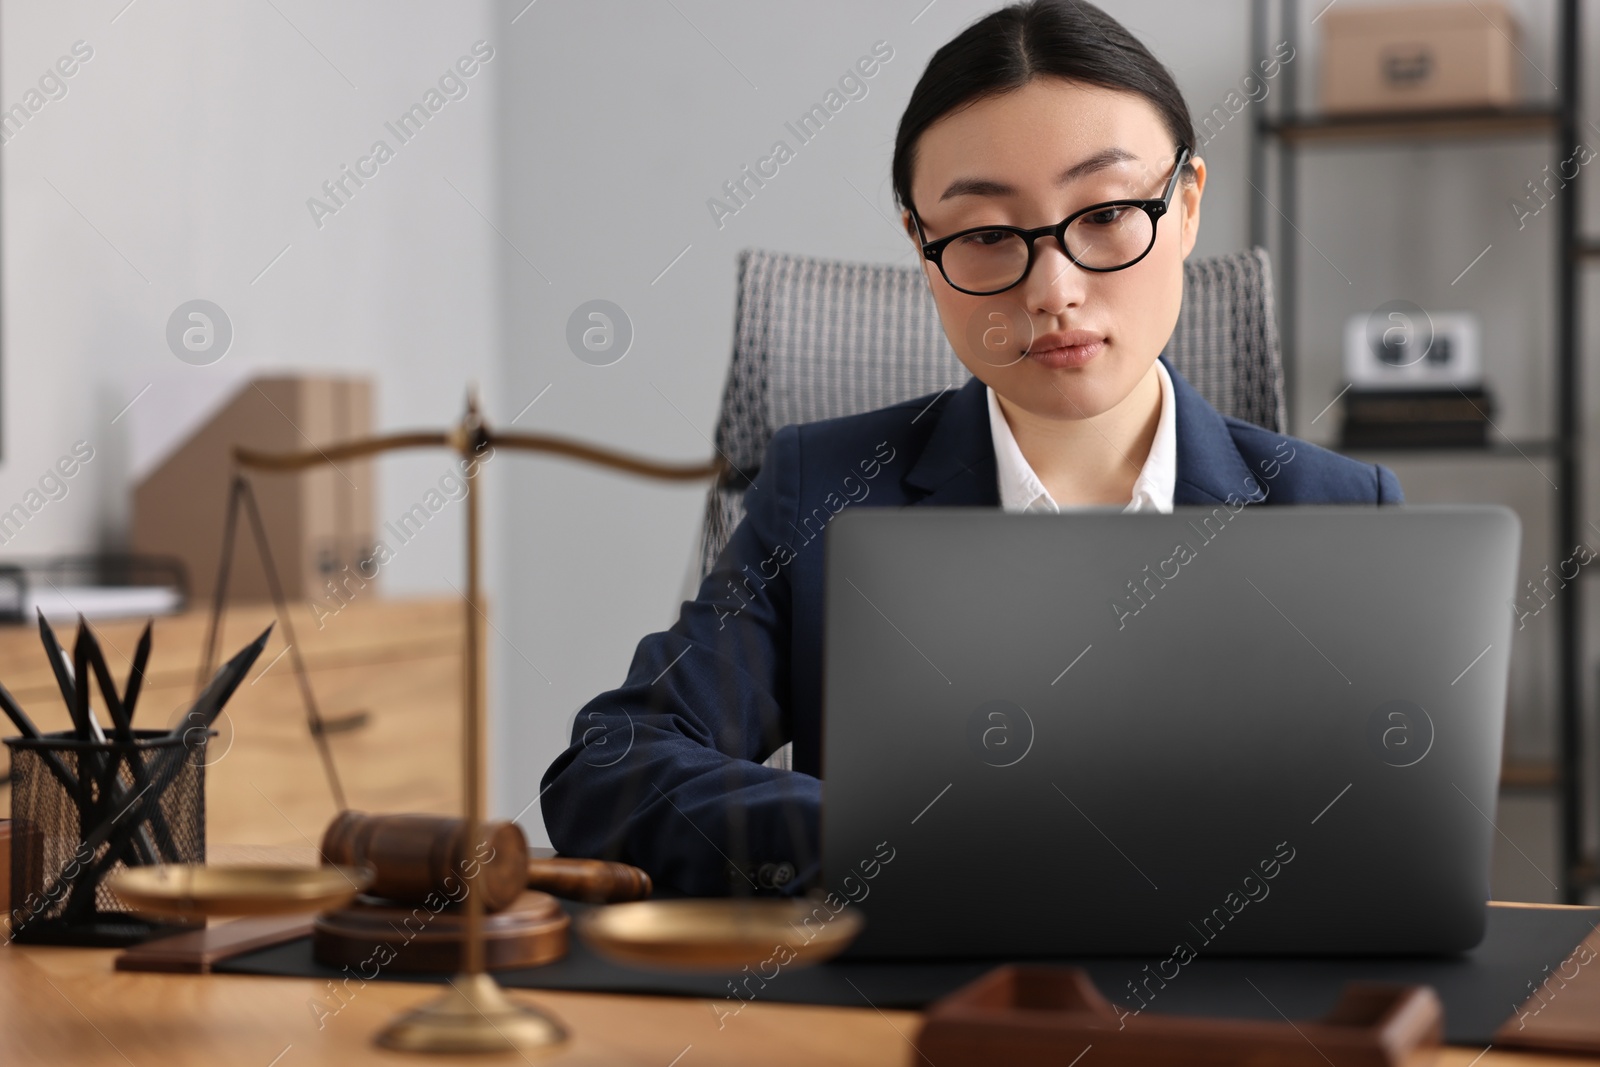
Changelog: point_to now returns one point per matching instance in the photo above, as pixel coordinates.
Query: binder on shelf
(1416, 418)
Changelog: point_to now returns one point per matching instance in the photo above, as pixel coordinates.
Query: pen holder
(81, 810)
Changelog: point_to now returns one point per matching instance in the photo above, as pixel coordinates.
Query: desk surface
(66, 1005)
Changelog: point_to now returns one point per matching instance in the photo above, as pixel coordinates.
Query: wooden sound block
(372, 935)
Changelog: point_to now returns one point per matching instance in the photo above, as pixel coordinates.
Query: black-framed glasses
(1104, 237)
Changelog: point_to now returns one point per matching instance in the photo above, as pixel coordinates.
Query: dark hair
(1006, 50)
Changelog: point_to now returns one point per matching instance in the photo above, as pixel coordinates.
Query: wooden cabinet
(397, 660)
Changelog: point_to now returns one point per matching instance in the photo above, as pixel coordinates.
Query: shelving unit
(1511, 122)
(1272, 221)
(1501, 449)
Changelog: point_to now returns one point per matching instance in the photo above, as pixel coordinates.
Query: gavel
(414, 856)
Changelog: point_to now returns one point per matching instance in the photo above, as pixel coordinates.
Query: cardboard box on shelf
(318, 521)
(1423, 57)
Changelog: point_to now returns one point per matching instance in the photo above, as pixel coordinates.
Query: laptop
(1270, 731)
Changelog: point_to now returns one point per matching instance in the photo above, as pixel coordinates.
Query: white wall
(178, 166)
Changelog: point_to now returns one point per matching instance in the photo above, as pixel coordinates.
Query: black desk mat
(1481, 990)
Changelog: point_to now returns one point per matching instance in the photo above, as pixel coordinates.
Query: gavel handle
(592, 881)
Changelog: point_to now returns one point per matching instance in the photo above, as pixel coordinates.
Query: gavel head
(419, 858)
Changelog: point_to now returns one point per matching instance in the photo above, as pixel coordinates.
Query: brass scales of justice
(474, 1014)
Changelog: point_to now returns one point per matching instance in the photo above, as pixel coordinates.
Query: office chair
(819, 338)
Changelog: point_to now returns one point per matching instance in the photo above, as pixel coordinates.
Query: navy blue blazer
(664, 772)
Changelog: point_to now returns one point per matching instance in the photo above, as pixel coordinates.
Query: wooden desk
(67, 1006)
(48, 998)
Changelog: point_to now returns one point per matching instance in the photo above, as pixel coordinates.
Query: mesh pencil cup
(82, 810)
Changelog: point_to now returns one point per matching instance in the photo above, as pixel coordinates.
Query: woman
(1020, 139)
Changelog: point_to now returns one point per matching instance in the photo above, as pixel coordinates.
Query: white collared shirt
(1021, 489)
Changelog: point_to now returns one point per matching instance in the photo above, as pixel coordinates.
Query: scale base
(473, 1015)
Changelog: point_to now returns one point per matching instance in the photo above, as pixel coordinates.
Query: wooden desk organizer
(1024, 1015)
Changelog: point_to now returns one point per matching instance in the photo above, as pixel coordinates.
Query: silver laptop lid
(1272, 730)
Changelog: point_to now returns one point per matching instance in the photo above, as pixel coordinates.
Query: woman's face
(1031, 158)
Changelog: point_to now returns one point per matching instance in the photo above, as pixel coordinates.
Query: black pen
(63, 672)
(141, 658)
(15, 713)
(108, 687)
(208, 705)
(82, 714)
